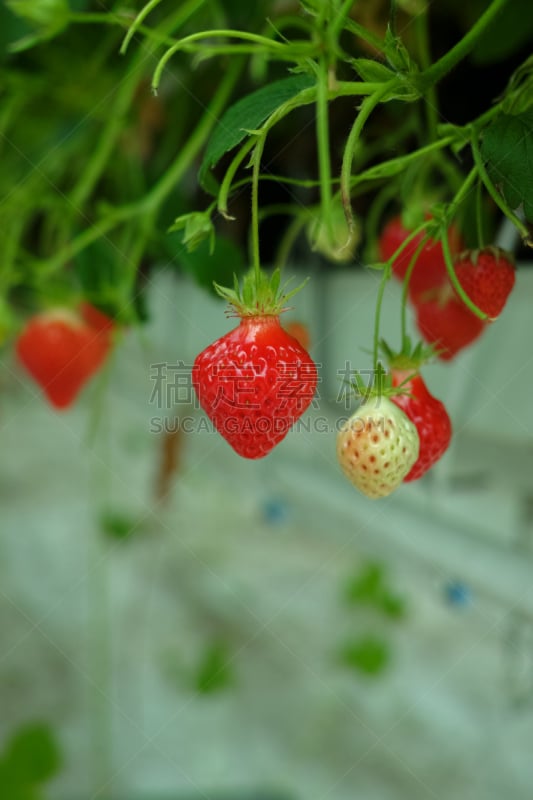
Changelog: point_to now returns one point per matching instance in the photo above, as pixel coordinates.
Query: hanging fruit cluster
(402, 183)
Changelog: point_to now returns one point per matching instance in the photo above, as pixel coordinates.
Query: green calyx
(260, 294)
(379, 386)
(410, 357)
(496, 252)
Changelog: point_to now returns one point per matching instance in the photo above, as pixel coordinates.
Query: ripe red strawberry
(446, 323)
(377, 447)
(257, 380)
(61, 351)
(488, 277)
(429, 270)
(429, 416)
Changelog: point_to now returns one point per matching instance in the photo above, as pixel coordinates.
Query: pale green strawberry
(377, 447)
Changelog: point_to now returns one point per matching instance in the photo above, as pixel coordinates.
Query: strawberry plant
(224, 139)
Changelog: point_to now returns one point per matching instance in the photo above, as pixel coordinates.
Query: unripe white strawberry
(377, 447)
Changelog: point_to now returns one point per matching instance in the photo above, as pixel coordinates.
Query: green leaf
(248, 114)
(398, 55)
(370, 70)
(197, 227)
(366, 654)
(32, 755)
(214, 671)
(392, 605)
(119, 526)
(46, 17)
(367, 585)
(507, 149)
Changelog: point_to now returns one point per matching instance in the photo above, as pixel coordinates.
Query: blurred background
(178, 623)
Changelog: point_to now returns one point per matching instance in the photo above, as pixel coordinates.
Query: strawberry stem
(479, 215)
(323, 145)
(367, 106)
(405, 287)
(455, 281)
(377, 318)
(441, 67)
(431, 104)
(256, 160)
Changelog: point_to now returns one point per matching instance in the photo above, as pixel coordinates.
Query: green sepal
(410, 357)
(197, 227)
(370, 70)
(259, 294)
(397, 54)
(381, 386)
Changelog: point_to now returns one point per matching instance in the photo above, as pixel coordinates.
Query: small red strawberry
(96, 318)
(429, 416)
(488, 277)
(257, 380)
(429, 270)
(377, 447)
(61, 352)
(447, 324)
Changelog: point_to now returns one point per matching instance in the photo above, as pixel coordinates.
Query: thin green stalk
(281, 209)
(455, 281)
(479, 214)
(441, 67)
(448, 170)
(377, 318)
(463, 191)
(287, 241)
(374, 216)
(365, 111)
(339, 21)
(141, 16)
(305, 97)
(387, 169)
(424, 51)
(494, 193)
(393, 16)
(186, 11)
(276, 47)
(256, 257)
(405, 288)
(322, 134)
(225, 186)
(364, 34)
(105, 18)
(304, 183)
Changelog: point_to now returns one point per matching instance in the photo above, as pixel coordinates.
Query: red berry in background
(429, 270)
(254, 383)
(488, 277)
(429, 416)
(96, 318)
(300, 331)
(446, 323)
(61, 352)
